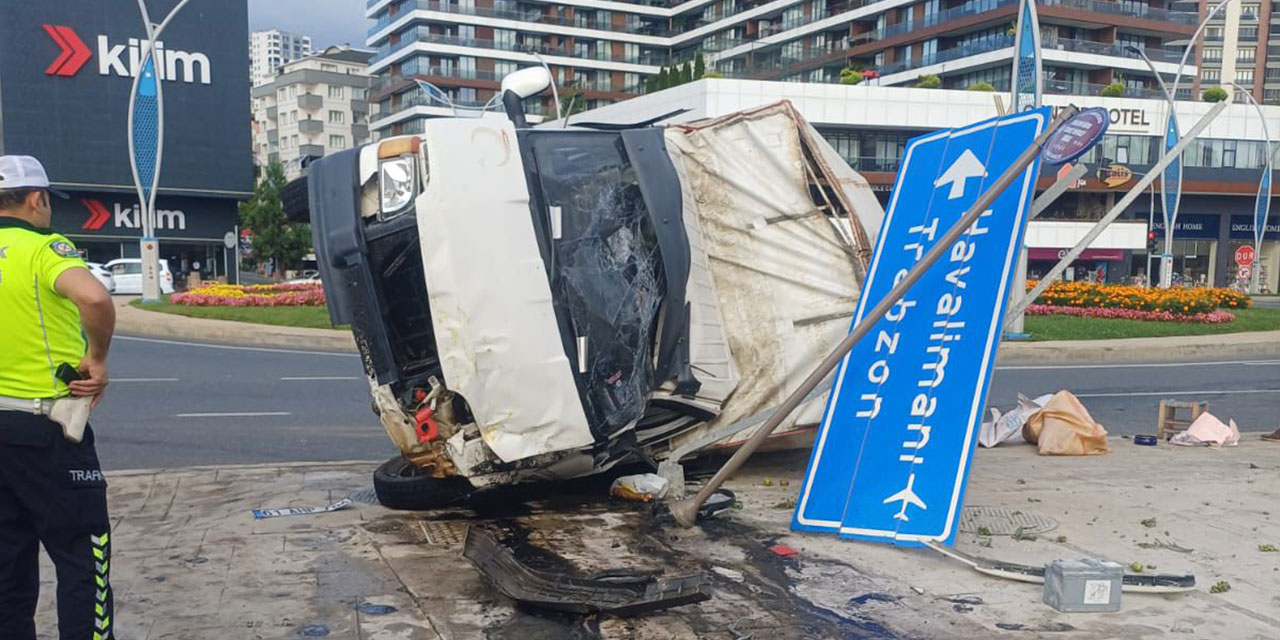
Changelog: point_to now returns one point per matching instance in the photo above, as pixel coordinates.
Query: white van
(127, 273)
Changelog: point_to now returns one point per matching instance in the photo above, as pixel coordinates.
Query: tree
(981, 86)
(686, 72)
(651, 84)
(928, 82)
(699, 66)
(664, 79)
(1214, 94)
(572, 102)
(849, 76)
(274, 237)
(1113, 90)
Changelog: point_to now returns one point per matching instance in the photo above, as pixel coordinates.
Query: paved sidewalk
(133, 321)
(191, 563)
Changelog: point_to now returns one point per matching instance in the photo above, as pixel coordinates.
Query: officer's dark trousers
(52, 493)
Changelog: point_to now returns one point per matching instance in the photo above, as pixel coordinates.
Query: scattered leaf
(1149, 523)
(1221, 587)
(1061, 539)
(1267, 548)
(984, 531)
(1136, 567)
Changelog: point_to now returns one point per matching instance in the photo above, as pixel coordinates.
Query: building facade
(601, 51)
(71, 112)
(311, 108)
(1257, 59)
(271, 48)
(870, 127)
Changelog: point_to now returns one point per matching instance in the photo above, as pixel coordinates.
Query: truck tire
(402, 485)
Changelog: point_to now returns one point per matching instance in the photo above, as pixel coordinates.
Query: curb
(1248, 345)
(262, 466)
(154, 324)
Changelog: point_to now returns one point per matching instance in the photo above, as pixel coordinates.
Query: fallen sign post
(1119, 208)
(685, 511)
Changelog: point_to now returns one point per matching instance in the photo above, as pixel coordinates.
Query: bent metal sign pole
(146, 145)
(685, 511)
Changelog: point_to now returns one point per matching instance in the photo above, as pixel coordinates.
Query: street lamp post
(146, 144)
(1171, 184)
(1166, 262)
(1262, 207)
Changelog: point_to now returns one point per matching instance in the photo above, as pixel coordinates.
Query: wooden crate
(1168, 421)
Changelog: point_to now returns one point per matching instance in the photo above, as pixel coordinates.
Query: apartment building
(271, 48)
(600, 51)
(1257, 61)
(312, 107)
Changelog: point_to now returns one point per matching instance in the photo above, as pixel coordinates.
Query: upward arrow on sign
(965, 167)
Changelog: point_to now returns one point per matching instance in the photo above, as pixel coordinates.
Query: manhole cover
(1004, 522)
(443, 533)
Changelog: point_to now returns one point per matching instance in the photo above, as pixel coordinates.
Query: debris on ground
(1149, 523)
(1221, 586)
(619, 593)
(259, 514)
(783, 551)
(1208, 431)
(1267, 548)
(1136, 567)
(1087, 585)
(1003, 427)
(731, 574)
(644, 487)
(1063, 427)
(1060, 539)
(1022, 535)
(1147, 583)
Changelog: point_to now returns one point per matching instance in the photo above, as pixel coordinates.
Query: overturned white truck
(549, 302)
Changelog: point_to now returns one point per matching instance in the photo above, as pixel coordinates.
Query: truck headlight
(397, 184)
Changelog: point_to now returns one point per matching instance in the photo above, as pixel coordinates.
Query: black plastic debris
(615, 592)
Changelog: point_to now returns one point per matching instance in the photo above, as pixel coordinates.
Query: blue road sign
(892, 454)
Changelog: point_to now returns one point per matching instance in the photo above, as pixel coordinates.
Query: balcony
(273, 136)
(360, 106)
(310, 101)
(310, 127)
(310, 150)
(360, 132)
(272, 113)
(531, 16)
(424, 35)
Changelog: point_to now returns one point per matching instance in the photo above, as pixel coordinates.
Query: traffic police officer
(51, 488)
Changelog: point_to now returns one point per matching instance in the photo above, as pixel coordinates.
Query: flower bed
(1196, 303)
(1217, 316)
(262, 295)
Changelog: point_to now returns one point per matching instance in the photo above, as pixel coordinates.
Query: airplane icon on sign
(906, 497)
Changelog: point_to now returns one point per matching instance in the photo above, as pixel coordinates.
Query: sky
(328, 22)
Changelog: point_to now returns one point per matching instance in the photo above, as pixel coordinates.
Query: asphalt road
(182, 404)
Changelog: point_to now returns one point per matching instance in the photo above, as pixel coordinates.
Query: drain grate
(1004, 522)
(443, 533)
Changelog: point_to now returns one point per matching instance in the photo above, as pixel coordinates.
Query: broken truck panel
(613, 592)
(552, 302)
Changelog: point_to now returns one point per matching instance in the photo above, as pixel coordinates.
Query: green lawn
(1073, 328)
(313, 317)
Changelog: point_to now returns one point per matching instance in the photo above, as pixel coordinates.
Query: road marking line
(144, 380)
(234, 348)
(256, 414)
(1154, 365)
(303, 378)
(1174, 393)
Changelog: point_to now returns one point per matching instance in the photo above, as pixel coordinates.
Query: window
(1246, 54)
(1211, 75)
(1244, 76)
(329, 67)
(1249, 12)
(503, 67)
(293, 140)
(337, 117)
(630, 52)
(1249, 33)
(504, 39)
(1213, 32)
(1213, 53)
(467, 95)
(337, 142)
(929, 49)
(336, 91)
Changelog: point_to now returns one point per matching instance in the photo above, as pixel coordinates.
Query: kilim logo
(74, 52)
(98, 215)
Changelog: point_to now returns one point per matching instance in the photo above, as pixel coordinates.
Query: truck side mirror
(518, 86)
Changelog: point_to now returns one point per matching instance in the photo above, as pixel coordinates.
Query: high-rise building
(1257, 59)
(271, 48)
(603, 51)
(312, 107)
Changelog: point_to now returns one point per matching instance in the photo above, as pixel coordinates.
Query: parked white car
(127, 273)
(103, 276)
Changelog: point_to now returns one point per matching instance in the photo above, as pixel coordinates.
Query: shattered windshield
(606, 271)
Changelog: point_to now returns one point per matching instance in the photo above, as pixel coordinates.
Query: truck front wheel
(400, 484)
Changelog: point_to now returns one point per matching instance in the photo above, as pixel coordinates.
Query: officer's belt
(36, 406)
